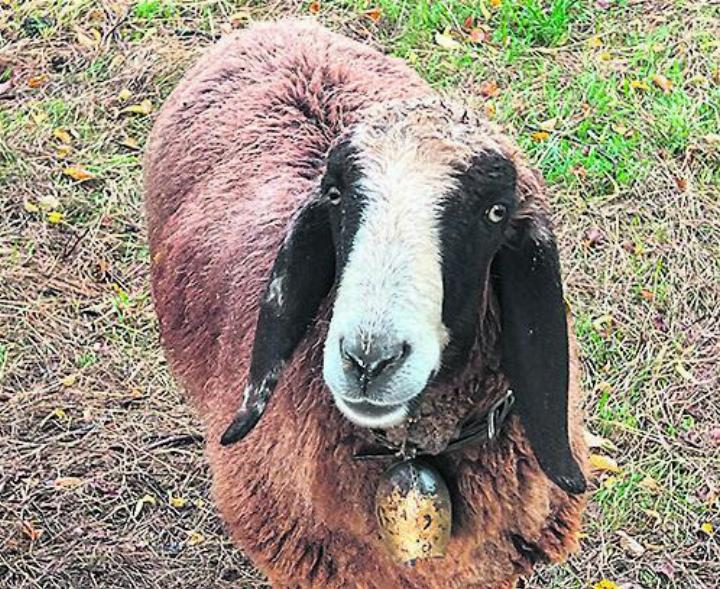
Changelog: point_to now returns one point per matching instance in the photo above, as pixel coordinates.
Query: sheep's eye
(496, 213)
(333, 194)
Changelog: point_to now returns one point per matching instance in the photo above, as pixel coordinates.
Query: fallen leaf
(605, 56)
(90, 41)
(663, 83)
(178, 502)
(594, 237)
(129, 142)
(707, 528)
(67, 482)
(314, 7)
(579, 171)
(55, 217)
(199, 503)
(489, 110)
(63, 151)
(38, 117)
(37, 81)
(649, 484)
(144, 108)
(62, 135)
(594, 42)
(195, 538)
(595, 441)
(681, 184)
(144, 500)
(630, 544)
(604, 463)
(445, 41)
(59, 413)
(496, 3)
(69, 380)
(477, 35)
(488, 88)
(605, 584)
(469, 22)
(548, 125)
(646, 294)
(610, 482)
(48, 202)
(78, 173)
(124, 95)
(31, 531)
(639, 85)
(540, 136)
(374, 14)
(30, 207)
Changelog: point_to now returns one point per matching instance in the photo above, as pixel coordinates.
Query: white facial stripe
(392, 285)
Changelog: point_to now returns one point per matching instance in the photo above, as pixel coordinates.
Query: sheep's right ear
(301, 277)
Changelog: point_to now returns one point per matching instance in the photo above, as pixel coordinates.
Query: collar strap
(478, 428)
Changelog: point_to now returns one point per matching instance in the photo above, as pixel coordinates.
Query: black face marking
(340, 186)
(469, 239)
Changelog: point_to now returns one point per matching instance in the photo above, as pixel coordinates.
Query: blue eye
(496, 213)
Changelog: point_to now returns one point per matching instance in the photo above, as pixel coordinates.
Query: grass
(85, 396)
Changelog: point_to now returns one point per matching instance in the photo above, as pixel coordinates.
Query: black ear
(301, 276)
(535, 346)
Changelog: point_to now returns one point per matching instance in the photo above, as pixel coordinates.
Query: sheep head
(422, 205)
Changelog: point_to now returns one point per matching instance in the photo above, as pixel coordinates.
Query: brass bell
(414, 511)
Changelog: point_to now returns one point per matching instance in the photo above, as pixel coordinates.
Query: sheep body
(236, 149)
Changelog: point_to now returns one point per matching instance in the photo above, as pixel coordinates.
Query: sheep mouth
(366, 408)
(372, 415)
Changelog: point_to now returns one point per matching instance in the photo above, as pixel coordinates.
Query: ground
(102, 478)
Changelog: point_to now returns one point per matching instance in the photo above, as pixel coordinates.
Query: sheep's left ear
(301, 277)
(535, 346)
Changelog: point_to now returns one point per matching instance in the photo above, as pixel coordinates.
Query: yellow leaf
(605, 584)
(445, 41)
(63, 151)
(59, 413)
(78, 173)
(144, 108)
(610, 482)
(663, 83)
(540, 136)
(199, 503)
(67, 482)
(708, 528)
(129, 142)
(30, 207)
(62, 135)
(55, 217)
(496, 3)
(195, 538)
(38, 117)
(70, 379)
(178, 502)
(605, 56)
(639, 85)
(594, 42)
(604, 463)
(144, 500)
(124, 95)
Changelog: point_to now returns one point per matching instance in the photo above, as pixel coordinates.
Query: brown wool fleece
(236, 150)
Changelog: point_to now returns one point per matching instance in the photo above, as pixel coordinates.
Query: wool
(237, 148)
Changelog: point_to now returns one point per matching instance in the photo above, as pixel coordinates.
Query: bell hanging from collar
(414, 511)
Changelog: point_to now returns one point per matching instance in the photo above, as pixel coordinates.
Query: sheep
(339, 255)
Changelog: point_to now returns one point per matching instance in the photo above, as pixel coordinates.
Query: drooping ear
(535, 346)
(301, 277)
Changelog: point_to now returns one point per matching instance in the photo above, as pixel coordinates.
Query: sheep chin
(388, 420)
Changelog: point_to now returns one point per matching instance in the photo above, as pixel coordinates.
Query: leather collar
(482, 427)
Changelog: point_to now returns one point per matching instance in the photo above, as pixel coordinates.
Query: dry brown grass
(94, 438)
